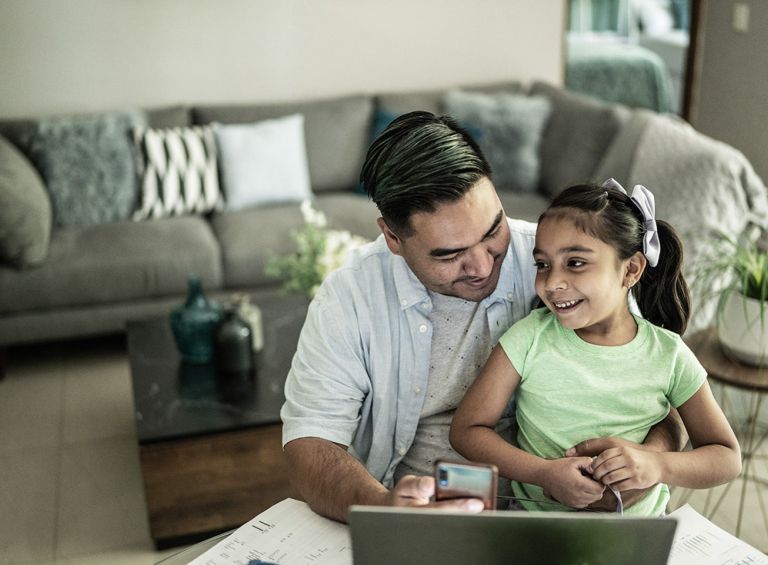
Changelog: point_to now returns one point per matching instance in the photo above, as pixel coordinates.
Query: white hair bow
(643, 200)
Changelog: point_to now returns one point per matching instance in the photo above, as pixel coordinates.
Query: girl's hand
(565, 481)
(626, 467)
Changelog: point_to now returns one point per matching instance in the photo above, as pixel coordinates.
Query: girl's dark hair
(418, 162)
(609, 215)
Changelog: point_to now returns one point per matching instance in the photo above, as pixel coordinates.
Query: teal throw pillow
(508, 128)
(88, 165)
(25, 211)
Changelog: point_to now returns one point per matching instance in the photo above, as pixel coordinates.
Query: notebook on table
(397, 536)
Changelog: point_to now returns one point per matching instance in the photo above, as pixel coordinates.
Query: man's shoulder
(522, 227)
(522, 234)
(365, 268)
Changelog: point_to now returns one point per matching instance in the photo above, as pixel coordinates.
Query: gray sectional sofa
(95, 278)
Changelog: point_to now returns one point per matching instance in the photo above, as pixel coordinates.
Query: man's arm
(667, 435)
(330, 480)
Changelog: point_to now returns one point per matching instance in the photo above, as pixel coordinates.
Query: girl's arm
(714, 460)
(473, 436)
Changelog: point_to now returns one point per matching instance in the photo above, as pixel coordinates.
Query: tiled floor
(71, 489)
(70, 483)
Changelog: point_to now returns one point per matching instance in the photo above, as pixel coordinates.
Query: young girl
(586, 367)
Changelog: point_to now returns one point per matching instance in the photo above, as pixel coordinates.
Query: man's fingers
(590, 447)
(460, 504)
(411, 487)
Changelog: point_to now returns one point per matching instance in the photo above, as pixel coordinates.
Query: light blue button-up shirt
(360, 371)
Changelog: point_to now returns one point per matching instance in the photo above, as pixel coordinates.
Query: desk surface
(719, 366)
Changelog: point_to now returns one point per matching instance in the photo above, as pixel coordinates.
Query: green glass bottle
(193, 324)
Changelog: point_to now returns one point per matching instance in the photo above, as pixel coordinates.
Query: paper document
(288, 533)
(699, 542)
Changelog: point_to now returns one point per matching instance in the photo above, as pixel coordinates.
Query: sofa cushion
(432, 100)
(113, 263)
(25, 210)
(264, 162)
(87, 163)
(577, 135)
(178, 172)
(509, 129)
(336, 133)
(250, 238)
(169, 117)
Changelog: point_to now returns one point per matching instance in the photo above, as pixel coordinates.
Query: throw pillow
(25, 211)
(381, 119)
(510, 127)
(178, 171)
(88, 166)
(264, 162)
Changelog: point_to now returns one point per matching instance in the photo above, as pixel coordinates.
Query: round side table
(752, 434)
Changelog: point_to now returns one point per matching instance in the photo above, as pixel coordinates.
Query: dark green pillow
(88, 165)
(25, 211)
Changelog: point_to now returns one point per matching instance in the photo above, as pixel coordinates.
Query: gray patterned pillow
(508, 128)
(87, 164)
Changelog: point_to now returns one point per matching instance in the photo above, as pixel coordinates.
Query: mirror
(630, 51)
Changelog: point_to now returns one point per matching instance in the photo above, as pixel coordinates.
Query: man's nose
(479, 262)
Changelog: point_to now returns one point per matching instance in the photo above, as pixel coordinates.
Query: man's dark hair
(418, 162)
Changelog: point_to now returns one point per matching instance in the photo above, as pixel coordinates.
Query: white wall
(731, 95)
(61, 56)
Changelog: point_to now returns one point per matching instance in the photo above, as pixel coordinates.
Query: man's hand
(416, 491)
(564, 480)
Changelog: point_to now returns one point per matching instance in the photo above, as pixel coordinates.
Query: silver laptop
(398, 536)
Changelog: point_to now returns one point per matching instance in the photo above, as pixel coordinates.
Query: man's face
(458, 249)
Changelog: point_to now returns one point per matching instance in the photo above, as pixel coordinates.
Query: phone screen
(466, 480)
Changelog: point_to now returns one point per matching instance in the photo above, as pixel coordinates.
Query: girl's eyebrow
(564, 250)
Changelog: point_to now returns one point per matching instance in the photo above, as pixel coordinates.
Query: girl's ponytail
(662, 293)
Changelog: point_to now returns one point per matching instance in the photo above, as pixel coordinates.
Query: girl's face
(581, 279)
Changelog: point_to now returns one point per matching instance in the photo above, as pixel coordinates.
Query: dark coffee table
(210, 445)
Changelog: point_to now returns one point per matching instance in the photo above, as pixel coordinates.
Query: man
(393, 339)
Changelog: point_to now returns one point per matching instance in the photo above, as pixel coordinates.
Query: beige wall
(82, 55)
(731, 97)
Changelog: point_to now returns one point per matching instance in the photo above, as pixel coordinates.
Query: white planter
(743, 329)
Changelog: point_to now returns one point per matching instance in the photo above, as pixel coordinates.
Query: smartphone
(466, 480)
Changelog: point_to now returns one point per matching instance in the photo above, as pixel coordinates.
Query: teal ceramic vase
(193, 324)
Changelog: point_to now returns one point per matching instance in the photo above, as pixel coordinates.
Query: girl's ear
(634, 269)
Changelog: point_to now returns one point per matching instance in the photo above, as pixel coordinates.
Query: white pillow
(264, 162)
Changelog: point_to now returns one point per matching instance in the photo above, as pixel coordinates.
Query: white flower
(337, 245)
(311, 216)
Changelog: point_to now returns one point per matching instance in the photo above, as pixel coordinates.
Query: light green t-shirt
(571, 390)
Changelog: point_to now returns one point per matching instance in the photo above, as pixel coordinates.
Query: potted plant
(736, 275)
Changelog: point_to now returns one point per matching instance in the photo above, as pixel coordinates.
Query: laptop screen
(382, 535)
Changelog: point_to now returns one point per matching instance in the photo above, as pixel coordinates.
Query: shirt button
(509, 296)
(422, 328)
(417, 390)
(425, 304)
(401, 451)
(403, 302)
